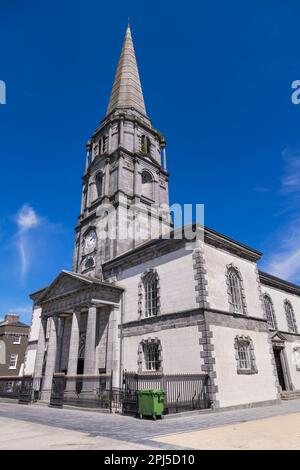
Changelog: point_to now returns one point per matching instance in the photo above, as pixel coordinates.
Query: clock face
(90, 241)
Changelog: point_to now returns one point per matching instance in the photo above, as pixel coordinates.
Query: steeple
(127, 89)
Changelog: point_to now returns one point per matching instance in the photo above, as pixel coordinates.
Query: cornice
(273, 281)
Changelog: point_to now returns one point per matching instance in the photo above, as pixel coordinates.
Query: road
(37, 426)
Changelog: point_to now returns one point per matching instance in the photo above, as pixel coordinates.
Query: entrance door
(80, 366)
(278, 362)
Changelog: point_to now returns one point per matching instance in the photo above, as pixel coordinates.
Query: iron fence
(183, 391)
(16, 388)
(88, 391)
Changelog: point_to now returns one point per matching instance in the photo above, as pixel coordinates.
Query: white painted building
(159, 304)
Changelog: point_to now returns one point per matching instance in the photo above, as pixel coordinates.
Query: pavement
(41, 427)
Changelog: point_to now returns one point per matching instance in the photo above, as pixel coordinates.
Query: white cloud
(284, 259)
(27, 219)
(285, 264)
(290, 181)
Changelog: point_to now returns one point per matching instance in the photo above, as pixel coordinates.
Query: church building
(150, 302)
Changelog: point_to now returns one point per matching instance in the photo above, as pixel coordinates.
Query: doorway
(279, 368)
(80, 364)
(80, 367)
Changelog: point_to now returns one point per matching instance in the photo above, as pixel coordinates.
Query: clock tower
(125, 200)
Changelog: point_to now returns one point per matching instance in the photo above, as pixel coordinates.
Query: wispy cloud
(27, 220)
(261, 189)
(284, 259)
(290, 182)
(284, 262)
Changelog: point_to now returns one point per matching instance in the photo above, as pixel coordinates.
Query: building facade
(13, 345)
(142, 301)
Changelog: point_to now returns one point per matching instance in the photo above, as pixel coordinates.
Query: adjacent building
(13, 345)
(152, 303)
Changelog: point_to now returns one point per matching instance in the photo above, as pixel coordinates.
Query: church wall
(216, 261)
(292, 354)
(237, 389)
(293, 341)
(128, 136)
(180, 350)
(278, 297)
(176, 283)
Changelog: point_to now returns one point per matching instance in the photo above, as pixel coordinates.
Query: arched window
(145, 145)
(102, 145)
(269, 312)
(147, 185)
(290, 317)
(99, 184)
(150, 282)
(234, 283)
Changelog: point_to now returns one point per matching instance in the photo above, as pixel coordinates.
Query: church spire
(127, 89)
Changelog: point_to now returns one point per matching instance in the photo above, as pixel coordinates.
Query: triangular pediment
(64, 283)
(278, 338)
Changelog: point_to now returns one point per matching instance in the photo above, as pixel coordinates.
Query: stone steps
(291, 395)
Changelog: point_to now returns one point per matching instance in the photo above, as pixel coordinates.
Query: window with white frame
(13, 361)
(16, 339)
(235, 291)
(269, 312)
(290, 317)
(151, 356)
(150, 282)
(245, 355)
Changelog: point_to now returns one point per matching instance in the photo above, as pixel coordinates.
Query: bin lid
(151, 391)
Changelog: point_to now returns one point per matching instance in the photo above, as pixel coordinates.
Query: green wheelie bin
(151, 402)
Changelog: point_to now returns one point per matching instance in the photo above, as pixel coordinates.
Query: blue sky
(217, 82)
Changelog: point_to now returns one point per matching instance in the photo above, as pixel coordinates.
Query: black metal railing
(183, 391)
(17, 388)
(88, 391)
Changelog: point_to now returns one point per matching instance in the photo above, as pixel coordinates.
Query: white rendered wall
(234, 388)
(180, 350)
(176, 280)
(290, 355)
(278, 297)
(216, 261)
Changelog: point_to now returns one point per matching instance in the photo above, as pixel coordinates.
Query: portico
(84, 314)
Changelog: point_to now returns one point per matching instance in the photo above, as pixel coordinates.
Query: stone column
(107, 173)
(90, 342)
(121, 131)
(134, 138)
(110, 138)
(89, 385)
(73, 351)
(113, 345)
(88, 152)
(51, 359)
(74, 344)
(40, 353)
(60, 340)
(164, 157)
